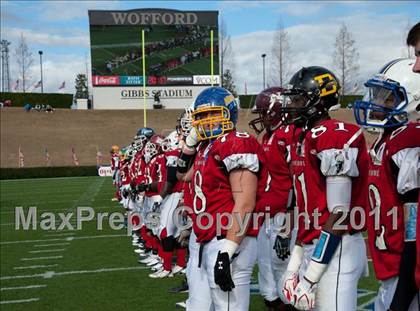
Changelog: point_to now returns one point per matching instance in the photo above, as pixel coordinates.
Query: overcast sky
(61, 30)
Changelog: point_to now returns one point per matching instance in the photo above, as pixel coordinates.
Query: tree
(228, 83)
(226, 53)
(346, 59)
(25, 61)
(281, 55)
(81, 86)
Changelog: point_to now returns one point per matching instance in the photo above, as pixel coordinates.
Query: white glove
(291, 276)
(192, 139)
(158, 199)
(290, 280)
(304, 295)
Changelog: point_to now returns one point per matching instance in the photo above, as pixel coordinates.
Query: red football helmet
(268, 105)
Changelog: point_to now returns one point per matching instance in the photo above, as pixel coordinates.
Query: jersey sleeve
(404, 151)
(338, 150)
(408, 163)
(239, 151)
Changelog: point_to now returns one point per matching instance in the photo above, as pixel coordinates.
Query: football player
(149, 185)
(391, 102)
(329, 167)
(115, 150)
(413, 39)
(273, 246)
(229, 173)
(170, 191)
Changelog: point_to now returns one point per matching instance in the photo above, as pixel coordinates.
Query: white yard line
(41, 258)
(46, 179)
(7, 224)
(54, 244)
(48, 251)
(59, 234)
(18, 301)
(35, 267)
(66, 239)
(67, 209)
(50, 274)
(22, 287)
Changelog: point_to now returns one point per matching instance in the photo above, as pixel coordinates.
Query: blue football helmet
(392, 98)
(145, 131)
(215, 113)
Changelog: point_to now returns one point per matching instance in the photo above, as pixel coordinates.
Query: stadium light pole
(263, 58)
(42, 79)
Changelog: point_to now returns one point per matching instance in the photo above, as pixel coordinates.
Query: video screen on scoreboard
(177, 47)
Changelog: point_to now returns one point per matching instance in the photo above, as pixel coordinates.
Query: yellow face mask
(212, 122)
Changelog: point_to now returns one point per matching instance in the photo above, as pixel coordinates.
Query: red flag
(47, 157)
(21, 162)
(74, 156)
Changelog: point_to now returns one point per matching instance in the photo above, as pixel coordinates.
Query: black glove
(125, 193)
(156, 207)
(282, 247)
(222, 275)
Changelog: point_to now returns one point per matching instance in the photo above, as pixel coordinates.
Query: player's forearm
(241, 215)
(244, 190)
(334, 222)
(187, 177)
(166, 188)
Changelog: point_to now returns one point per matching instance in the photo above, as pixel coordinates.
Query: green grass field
(87, 269)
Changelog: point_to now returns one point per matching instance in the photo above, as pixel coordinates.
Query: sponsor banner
(105, 171)
(206, 80)
(105, 80)
(182, 80)
(131, 80)
(153, 17)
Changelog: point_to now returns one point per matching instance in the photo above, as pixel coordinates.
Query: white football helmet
(185, 121)
(392, 98)
(170, 142)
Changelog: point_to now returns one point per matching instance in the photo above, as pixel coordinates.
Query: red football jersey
(140, 168)
(187, 194)
(153, 173)
(277, 149)
(323, 153)
(171, 158)
(114, 161)
(212, 191)
(125, 174)
(387, 180)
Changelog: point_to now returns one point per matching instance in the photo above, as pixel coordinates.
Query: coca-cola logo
(106, 80)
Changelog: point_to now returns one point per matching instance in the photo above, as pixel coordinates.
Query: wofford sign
(153, 17)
